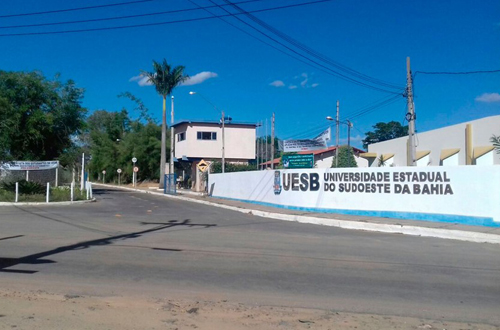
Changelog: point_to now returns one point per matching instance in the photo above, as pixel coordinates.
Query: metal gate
(169, 186)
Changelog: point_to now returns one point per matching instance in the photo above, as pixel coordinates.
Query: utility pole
(266, 143)
(349, 126)
(337, 138)
(260, 144)
(410, 116)
(257, 145)
(272, 143)
(172, 138)
(223, 158)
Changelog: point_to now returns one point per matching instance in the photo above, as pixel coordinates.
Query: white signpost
(119, 171)
(103, 176)
(134, 176)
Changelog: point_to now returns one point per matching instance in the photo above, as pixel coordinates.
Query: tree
(265, 143)
(115, 139)
(496, 142)
(346, 158)
(381, 161)
(165, 79)
(39, 118)
(385, 131)
(216, 167)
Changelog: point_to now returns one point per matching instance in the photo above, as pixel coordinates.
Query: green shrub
(25, 187)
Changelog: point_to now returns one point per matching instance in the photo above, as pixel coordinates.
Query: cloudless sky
(250, 80)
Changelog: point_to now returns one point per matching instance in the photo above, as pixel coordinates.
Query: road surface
(130, 243)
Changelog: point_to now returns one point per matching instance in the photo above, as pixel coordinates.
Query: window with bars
(206, 135)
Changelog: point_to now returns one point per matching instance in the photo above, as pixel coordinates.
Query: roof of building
(314, 152)
(214, 122)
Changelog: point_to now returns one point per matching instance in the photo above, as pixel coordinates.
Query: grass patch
(57, 194)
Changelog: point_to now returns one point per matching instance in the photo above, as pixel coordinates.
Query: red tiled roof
(314, 152)
(322, 151)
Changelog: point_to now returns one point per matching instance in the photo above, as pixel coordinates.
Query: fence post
(17, 192)
(57, 175)
(48, 191)
(72, 190)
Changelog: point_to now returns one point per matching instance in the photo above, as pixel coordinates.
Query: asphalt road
(138, 244)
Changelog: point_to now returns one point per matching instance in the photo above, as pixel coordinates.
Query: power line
(370, 105)
(311, 51)
(309, 132)
(157, 23)
(457, 73)
(76, 9)
(117, 17)
(328, 70)
(255, 37)
(368, 109)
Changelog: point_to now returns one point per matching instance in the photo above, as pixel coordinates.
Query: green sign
(298, 161)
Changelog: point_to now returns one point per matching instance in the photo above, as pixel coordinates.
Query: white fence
(458, 194)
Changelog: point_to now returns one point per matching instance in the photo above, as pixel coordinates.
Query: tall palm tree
(165, 79)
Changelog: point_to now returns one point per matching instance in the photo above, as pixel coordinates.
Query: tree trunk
(163, 144)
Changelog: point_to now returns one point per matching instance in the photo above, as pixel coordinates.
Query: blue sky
(250, 80)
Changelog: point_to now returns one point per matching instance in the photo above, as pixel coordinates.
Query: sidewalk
(445, 230)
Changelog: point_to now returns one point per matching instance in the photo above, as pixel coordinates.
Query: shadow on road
(10, 237)
(37, 258)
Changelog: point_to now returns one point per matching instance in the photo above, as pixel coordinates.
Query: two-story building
(205, 140)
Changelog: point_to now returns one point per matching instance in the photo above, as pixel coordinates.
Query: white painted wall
(449, 137)
(239, 141)
(425, 161)
(451, 161)
(475, 193)
(486, 159)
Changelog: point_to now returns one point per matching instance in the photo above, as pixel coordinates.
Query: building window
(181, 136)
(206, 135)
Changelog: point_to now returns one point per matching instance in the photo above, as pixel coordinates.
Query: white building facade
(202, 140)
(462, 144)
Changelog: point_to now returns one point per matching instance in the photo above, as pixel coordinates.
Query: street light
(349, 126)
(222, 122)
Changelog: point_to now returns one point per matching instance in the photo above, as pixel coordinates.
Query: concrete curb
(44, 203)
(460, 235)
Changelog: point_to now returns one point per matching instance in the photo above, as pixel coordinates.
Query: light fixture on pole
(349, 126)
(223, 119)
(336, 137)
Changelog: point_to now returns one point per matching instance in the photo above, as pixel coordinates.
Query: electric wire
(457, 72)
(156, 23)
(75, 9)
(309, 132)
(370, 108)
(117, 17)
(322, 67)
(311, 51)
(256, 38)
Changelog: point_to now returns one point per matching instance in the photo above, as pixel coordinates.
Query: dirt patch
(43, 310)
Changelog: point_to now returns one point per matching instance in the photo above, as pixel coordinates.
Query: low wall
(459, 194)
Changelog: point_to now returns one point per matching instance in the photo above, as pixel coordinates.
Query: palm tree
(165, 79)
(496, 142)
